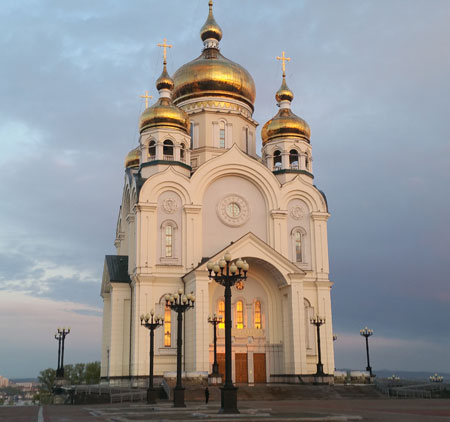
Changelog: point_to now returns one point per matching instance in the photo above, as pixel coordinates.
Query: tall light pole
(179, 303)
(151, 322)
(366, 332)
(61, 336)
(318, 321)
(227, 274)
(214, 320)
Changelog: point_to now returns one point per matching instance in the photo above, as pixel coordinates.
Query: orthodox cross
(165, 46)
(284, 59)
(147, 97)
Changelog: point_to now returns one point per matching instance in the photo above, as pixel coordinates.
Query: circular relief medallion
(233, 210)
(298, 212)
(169, 205)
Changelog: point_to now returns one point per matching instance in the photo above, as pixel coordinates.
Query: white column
(192, 236)
(146, 237)
(279, 231)
(106, 334)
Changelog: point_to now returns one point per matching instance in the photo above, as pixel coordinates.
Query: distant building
(4, 382)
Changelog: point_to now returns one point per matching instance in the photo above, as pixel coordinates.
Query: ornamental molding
(298, 212)
(169, 205)
(236, 215)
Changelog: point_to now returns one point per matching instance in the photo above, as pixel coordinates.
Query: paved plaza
(385, 410)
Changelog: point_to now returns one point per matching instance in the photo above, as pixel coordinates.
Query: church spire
(164, 81)
(211, 32)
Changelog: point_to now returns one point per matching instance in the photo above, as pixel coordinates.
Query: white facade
(219, 196)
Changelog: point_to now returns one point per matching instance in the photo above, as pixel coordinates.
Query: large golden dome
(164, 112)
(211, 74)
(133, 158)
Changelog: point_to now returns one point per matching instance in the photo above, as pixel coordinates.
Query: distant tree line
(80, 373)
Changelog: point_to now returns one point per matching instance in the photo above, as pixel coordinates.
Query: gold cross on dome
(165, 46)
(284, 59)
(147, 97)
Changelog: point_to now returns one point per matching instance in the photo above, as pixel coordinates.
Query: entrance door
(241, 366)
(221, 363)
(259, 367)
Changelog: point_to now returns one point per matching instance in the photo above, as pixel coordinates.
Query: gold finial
(147, 97)
(284, 59)
(165, 46)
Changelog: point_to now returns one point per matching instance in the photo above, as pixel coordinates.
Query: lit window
(222, 313)
(239, 315)
(258, 315)
(169, 241)
(222, 134)
(167, 327)
(298, 246)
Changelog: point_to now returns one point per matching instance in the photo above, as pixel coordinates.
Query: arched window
(222, 134)
(298, 247)
(293, 159)
(277, 160)
(221, 313)
(257, 316)
(152, 150)
(239, 315)
(167, 327)
(246, 140)
(169, 241)
(168, 150)
(182, 153)
(168, 233)
(307, 162)
(192, 134)
(309, 329)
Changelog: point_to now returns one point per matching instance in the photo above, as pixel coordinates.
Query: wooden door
(241, 367)
(259, 367)
(221, 363)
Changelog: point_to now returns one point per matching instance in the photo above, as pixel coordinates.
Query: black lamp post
(214, 321)
(151, 323)
(61, 336)
(179, 303)
(227, 274)
(318, 321)
(366, 332)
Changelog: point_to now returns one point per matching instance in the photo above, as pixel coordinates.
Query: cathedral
(195, 188)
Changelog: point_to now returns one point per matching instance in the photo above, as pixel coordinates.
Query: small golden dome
(284, 93)
(285, 124)
(164, 113)
(211, 28)
(213, 75)
(133, 158)
(164, 81)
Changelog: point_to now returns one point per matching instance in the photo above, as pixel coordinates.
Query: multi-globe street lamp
(215, 320)
(179, 303)
(227, 274)
(366, 332)
(436, 378)
(151, 322)
(318, 321)
(60, 335)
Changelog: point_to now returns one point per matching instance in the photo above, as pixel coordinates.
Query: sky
(370, 77)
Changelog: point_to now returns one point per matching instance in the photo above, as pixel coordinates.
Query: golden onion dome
(285, 125)
(211, 74)
(133, 158)
(164, 81)
(284, 93)
(211, 28)
(164, 113)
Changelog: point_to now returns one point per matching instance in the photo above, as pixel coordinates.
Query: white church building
(195, 188)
